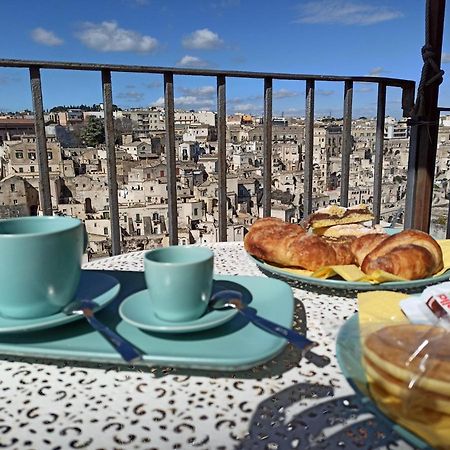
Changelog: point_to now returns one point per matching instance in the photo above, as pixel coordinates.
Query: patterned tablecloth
(283, 404)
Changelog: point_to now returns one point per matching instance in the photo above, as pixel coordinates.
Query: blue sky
(340, 37)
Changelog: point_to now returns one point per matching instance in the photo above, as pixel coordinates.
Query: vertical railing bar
(447, 235)
(379, 146)
(41, 142)
(425, 123)
(267, 148)
(309, 147)
(411, 177)
(111, 162)
(346, 142)
(171, 158)
(222, 155)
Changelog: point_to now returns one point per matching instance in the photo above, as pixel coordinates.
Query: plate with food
(349, 353)
(335, 248)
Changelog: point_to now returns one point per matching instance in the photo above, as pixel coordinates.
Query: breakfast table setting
(207, 347)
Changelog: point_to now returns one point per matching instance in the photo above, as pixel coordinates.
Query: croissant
(289, 245)
(410, 254)
(363, 245)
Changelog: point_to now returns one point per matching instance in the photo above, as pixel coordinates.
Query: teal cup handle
(40, 260)
(86, 239)
(179, 281)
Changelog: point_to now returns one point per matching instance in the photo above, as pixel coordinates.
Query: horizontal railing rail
(168, 73)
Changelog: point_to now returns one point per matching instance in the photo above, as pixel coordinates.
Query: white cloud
(45, 37)
(153, 84)
(296, 112)
(345, 12)
(189, 102)
(364, 89)
(245, 100)
(377, 71)
(202, 91)
(248, 107)
(203, 39)
(131, 96)
(192, 61)
(109, 37)
(284, 93)
(324, 92)
(445, 58)
(159, 102)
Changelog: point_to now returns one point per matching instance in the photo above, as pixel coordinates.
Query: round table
(285, 403)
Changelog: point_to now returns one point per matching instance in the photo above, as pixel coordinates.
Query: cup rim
(75, 223)
(209, 255)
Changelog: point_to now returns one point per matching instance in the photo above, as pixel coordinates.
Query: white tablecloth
(286, 403)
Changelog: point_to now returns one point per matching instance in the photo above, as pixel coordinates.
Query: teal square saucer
(235, 345)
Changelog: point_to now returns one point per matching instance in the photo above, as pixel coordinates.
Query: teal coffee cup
(40, 264)
(179, 281)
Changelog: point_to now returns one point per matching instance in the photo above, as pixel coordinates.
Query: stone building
(89, 190)
(18, 197)
(22, 158)
(144, 121)
(12, 127)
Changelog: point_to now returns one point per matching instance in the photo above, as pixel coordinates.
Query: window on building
(138, 217)
(105, 231)
(13, 188)
(32, 155)
(31, 168)
(15, 202)
(49, 156)
(19, 155)
(195, 211)
(21, 169)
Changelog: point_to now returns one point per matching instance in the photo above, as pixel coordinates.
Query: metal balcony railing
(35, 67)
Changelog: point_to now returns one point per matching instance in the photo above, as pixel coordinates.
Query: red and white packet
(431, 307)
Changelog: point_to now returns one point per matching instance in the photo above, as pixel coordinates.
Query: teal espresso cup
(40, 264)
(179, 281)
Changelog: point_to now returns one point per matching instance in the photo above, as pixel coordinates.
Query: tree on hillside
(121, 126)
(93, 133)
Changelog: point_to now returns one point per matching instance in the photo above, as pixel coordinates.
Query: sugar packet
(431, 307)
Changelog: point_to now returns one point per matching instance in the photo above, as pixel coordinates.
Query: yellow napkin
(306, 273)
(353, 273)
(378, 309)
(375, 308)
(349, 272)
(445, 247)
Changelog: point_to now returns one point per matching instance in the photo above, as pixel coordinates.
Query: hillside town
(79, 183)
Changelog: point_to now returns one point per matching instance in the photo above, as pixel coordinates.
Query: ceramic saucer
(94, 286)
(136, 310)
